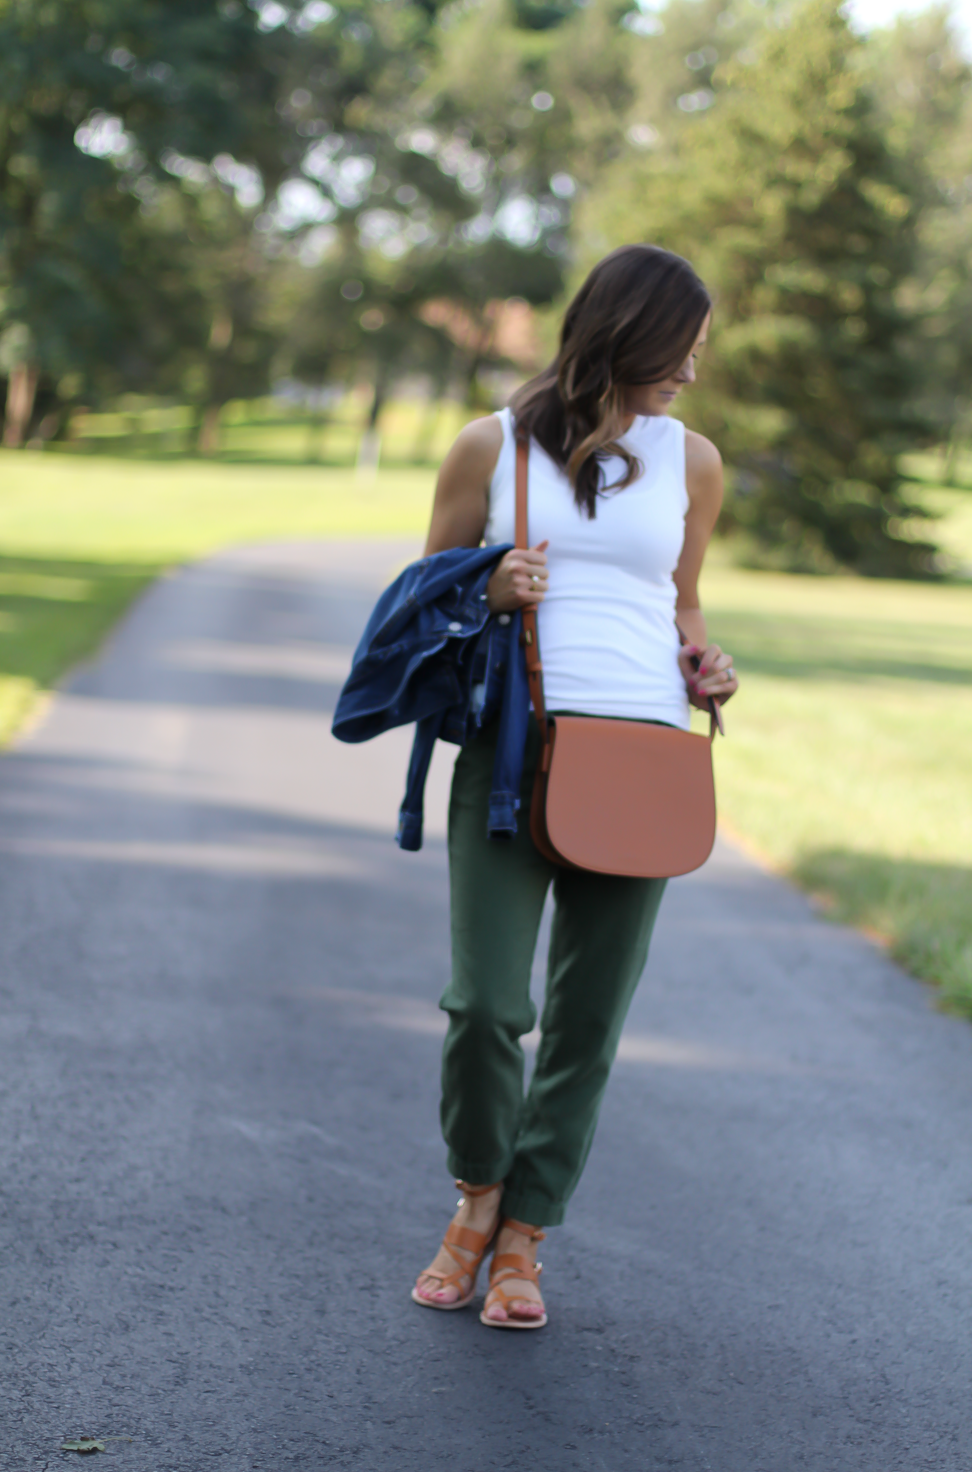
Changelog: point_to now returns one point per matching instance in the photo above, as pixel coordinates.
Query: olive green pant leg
(599, 945)
(498, 887)
(602, 928)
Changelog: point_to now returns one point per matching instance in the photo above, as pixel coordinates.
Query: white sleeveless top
(608, 640)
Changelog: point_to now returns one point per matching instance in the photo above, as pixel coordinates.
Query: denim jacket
(431, 653)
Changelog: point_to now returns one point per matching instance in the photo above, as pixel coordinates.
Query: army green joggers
(599, 945)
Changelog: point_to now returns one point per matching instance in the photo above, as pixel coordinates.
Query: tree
(924, 90)
(441, 182)
(97, 96)
(213, 337)
(804, 220)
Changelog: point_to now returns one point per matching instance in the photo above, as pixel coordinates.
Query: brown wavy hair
(634, 321)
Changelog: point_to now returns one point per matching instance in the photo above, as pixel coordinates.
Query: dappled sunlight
(245, 855)
(833, 646)
(920, 910)
(305, 661)
(410, 1014)
(52, 611)
(60, 587)
(82, 505)
(249, 758)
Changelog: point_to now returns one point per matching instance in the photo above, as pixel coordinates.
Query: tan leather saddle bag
(615, 796)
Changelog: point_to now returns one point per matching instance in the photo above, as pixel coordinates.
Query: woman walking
(622, 503)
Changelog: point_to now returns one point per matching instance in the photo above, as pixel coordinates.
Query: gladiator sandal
(505, 1267)
(478, 1243)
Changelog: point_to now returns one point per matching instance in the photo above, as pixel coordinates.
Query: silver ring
(731, 673)
(534, 578)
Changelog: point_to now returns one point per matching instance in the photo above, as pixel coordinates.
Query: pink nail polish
(703, 670)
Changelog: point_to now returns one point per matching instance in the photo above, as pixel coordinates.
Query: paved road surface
(219, 1157)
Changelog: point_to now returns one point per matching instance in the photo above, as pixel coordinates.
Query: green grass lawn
(847, 758)
(81, 535)
(847, 761)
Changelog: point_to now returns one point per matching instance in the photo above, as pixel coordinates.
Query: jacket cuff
(501, 822)
(409, 835)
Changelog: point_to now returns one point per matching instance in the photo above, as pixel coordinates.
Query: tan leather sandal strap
(470, 1241)
(512, 1265)
(448, 1280)
(508, 1298)
(477, 1190)
(464, 1268)
(465, 1237)
(524, 1229)
(494, 1292)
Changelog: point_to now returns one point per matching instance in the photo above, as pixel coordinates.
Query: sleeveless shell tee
(607, 625)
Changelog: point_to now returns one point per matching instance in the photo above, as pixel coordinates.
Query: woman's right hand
(519, 580)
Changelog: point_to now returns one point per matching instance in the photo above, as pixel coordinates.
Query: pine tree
(804, 221)
(924, 89)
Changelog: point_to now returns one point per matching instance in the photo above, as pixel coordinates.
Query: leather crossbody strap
(531, 642)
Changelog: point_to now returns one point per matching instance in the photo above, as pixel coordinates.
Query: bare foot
(479, 1213)
(528, 1300)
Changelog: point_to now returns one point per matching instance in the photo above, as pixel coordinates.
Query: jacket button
(455, 628)
(504, 618)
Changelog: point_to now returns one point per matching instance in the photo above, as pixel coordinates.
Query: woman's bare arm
(703, 481)
(461, 509)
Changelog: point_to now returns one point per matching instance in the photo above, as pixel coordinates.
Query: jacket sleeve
(408, 663)
(412, 811)
(504, 798)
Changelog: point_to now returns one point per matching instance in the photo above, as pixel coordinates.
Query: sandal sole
(512, 1323)
(443, 1308)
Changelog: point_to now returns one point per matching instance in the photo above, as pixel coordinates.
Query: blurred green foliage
(99, 101)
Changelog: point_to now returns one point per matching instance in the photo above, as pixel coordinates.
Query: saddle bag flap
(628, 797)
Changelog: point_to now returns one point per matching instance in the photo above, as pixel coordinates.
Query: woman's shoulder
(703, 469)
(476, 448)
(700, 453)
(482, 436)
(463, 489)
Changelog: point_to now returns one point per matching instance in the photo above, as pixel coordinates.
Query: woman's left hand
(715, 676)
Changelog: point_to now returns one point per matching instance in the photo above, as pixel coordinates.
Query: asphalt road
(220, 1166)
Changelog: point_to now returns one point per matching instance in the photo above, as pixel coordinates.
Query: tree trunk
(378, 400)
(21, 391)
(479, 355)
(429, 423)
(316, 429)
(956, 443)
(369, 454)
(369, 450)
(209, 429)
